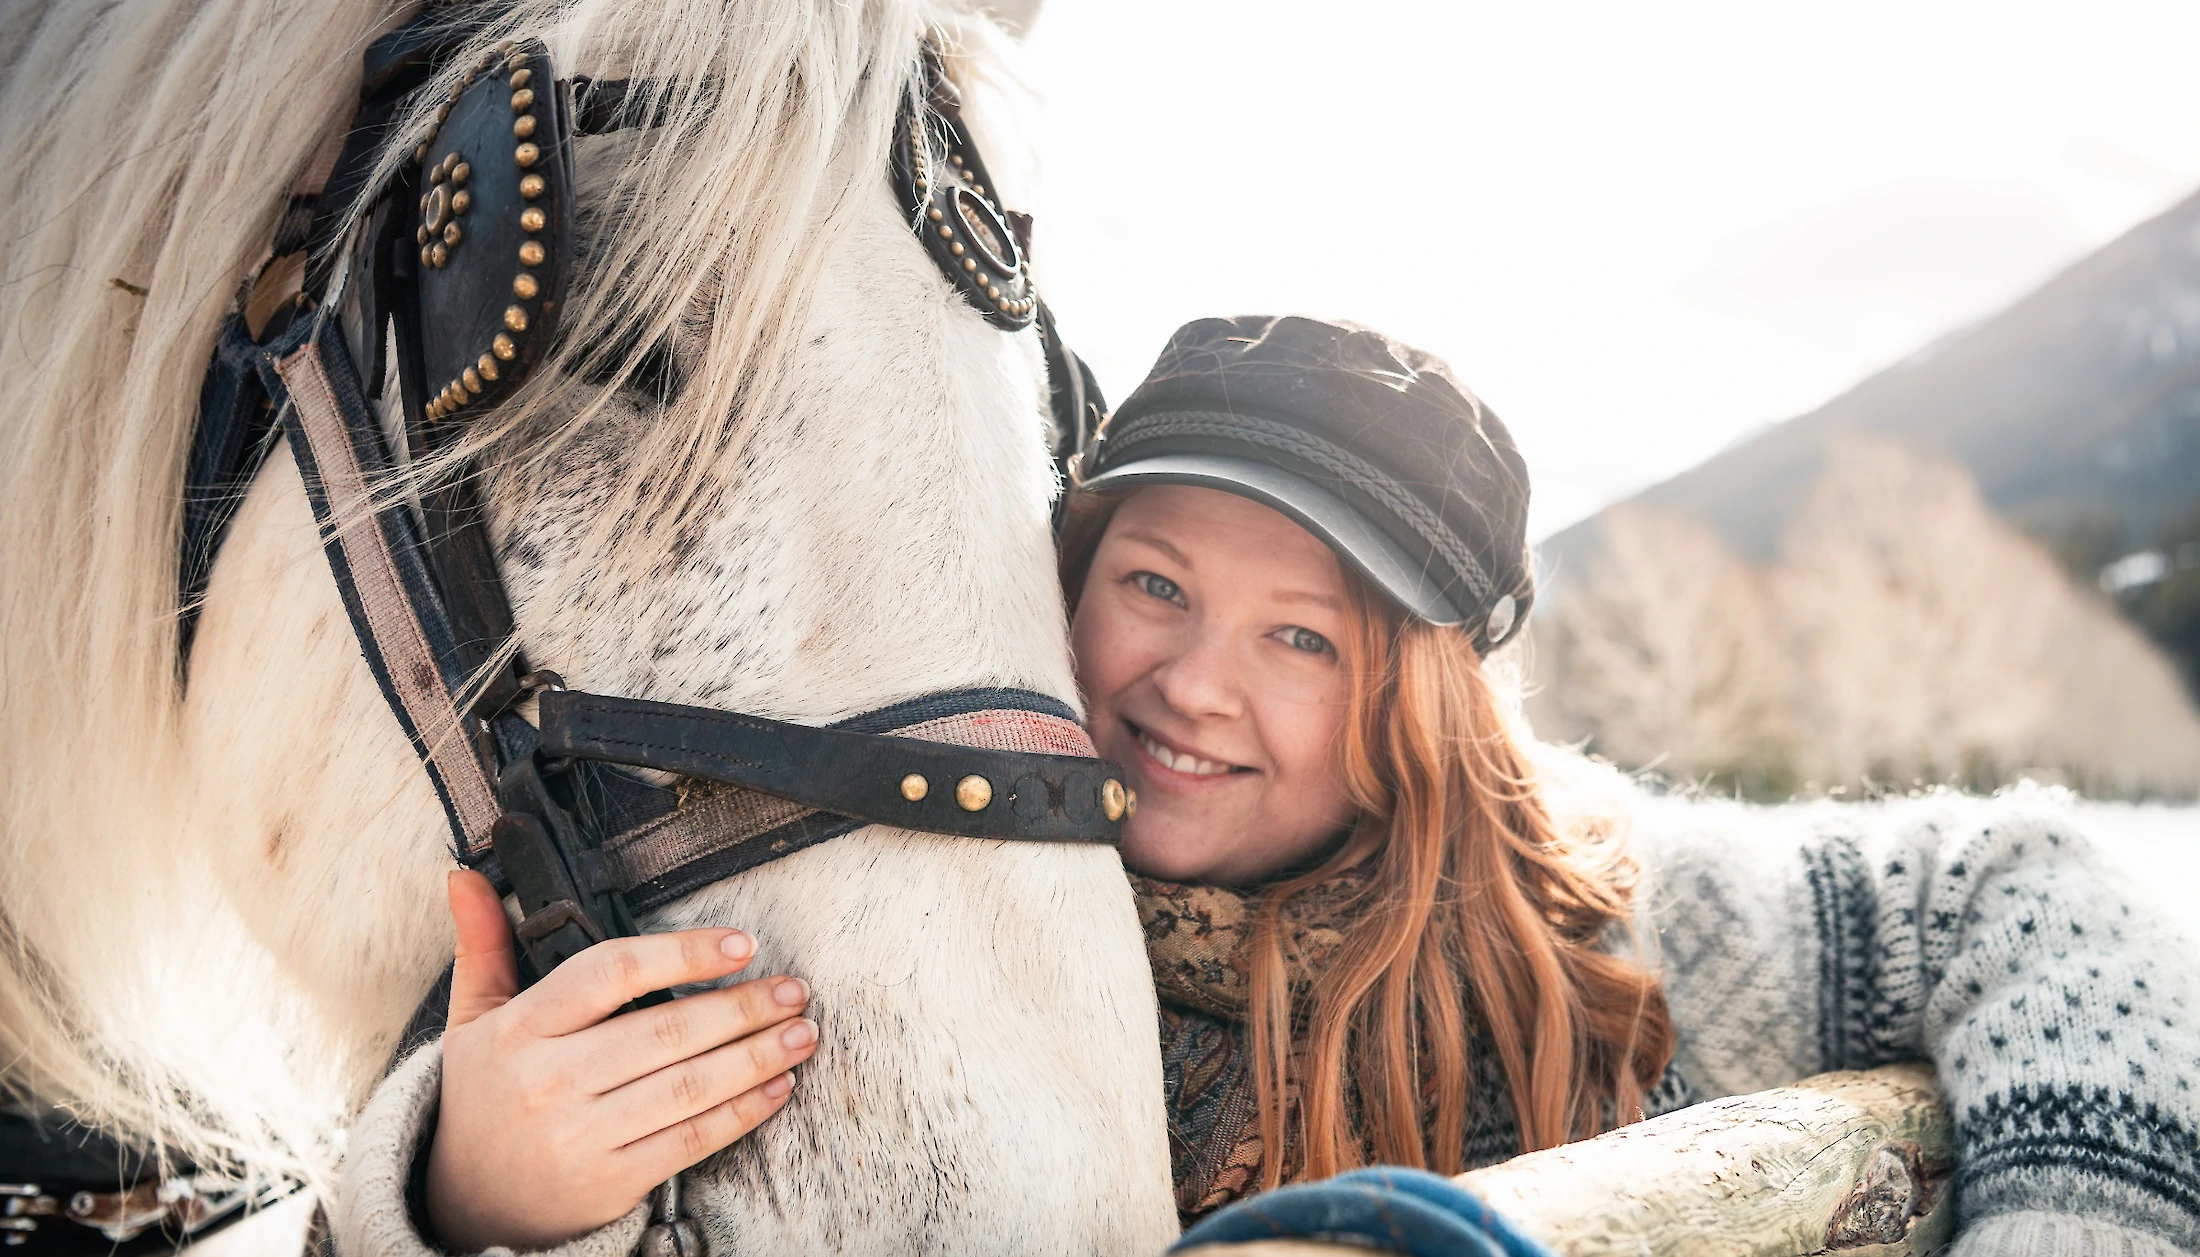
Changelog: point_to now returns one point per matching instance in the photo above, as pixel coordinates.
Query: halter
(459, 263)
(463, 260)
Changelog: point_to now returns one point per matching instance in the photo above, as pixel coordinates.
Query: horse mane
(151, 148)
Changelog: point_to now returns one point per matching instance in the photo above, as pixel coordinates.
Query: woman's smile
(1176, 761)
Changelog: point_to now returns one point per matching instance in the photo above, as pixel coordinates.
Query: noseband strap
(909, 783)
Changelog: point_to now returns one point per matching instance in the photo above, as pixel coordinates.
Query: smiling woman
(1381, 931)
(1290, 549)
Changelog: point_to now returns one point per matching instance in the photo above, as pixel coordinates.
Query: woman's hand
(554, 1120)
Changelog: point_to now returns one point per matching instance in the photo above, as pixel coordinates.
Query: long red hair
(1474, 921)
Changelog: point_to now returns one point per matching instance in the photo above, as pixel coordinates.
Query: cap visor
(1359, 543)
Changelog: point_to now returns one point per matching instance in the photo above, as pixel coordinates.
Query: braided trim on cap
(1331, 458)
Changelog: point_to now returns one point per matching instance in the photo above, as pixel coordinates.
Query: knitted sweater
(1979, 934)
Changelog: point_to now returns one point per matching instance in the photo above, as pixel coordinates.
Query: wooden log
(1847, 1164)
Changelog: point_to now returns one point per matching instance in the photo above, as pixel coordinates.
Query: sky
(1639, 232)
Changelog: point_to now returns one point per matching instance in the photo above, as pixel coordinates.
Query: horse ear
(1015, 16)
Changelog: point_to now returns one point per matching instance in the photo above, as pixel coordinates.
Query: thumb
(485, 971)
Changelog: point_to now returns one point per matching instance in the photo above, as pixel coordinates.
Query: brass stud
(524, 286)
(517, 63)
(462, 172)
(523, 126)
(1111, 799)
(450, 233)
(472, 380)
(523, 100)
(433, 410)
(532, 186)
(521, 77)
(487, 365)
(934, 214)
(1130, 802)
(427, 255)
(420, 154)
(992, 294)
(462, 202)
(530, 253)
(503, 347)
(420, 234)
(956, 158)
(515, 318)
(914, 787)
(947, 233)
(435, 174)
(443, 112)
(972, 793)
(442, 253)
(526, 155)
(533, 219)
(970, 264)
(450, 161)
(956, 249)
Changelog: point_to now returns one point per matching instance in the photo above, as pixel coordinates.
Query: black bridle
(465, 258)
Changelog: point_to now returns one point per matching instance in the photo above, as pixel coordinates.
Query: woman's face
(1205, 639)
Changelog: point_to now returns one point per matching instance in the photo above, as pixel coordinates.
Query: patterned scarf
(1198, 939)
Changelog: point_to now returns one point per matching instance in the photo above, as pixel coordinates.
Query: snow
(2157, 848)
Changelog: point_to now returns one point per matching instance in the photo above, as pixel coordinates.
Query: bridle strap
(909, 783)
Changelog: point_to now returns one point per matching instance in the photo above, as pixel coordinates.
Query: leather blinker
(942, 183)
(492, 228)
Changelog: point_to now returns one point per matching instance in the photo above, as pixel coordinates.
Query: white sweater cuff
(371, 1217)
(2041, 1234)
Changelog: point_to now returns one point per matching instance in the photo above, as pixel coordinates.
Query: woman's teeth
(1191, 764)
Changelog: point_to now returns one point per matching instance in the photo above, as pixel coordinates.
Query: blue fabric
(1409, 1212)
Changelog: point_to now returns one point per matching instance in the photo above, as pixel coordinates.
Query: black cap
(1369, 444)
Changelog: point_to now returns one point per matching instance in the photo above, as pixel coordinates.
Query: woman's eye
(1159, 586)
(1307, 640)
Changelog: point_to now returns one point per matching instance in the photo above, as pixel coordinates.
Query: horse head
(775, 461)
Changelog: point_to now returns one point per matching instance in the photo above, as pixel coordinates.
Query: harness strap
(67, 1190)
(961, 790)
(1039, 782)
(377, 555)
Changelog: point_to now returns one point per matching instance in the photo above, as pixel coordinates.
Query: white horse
(222, 900)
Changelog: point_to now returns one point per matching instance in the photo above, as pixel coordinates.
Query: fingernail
(799, 1035)
(779, 1086)
(737, 946)
(792, 992)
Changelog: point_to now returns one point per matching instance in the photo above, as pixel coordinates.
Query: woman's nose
(1201, 679)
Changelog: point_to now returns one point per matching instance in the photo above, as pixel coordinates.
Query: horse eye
(656, 373)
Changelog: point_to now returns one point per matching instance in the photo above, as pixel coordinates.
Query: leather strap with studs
(880, 779)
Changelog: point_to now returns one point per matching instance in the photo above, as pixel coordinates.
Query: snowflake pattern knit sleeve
(1981, 935)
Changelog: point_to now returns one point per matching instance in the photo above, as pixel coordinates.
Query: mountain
(2076, 411)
